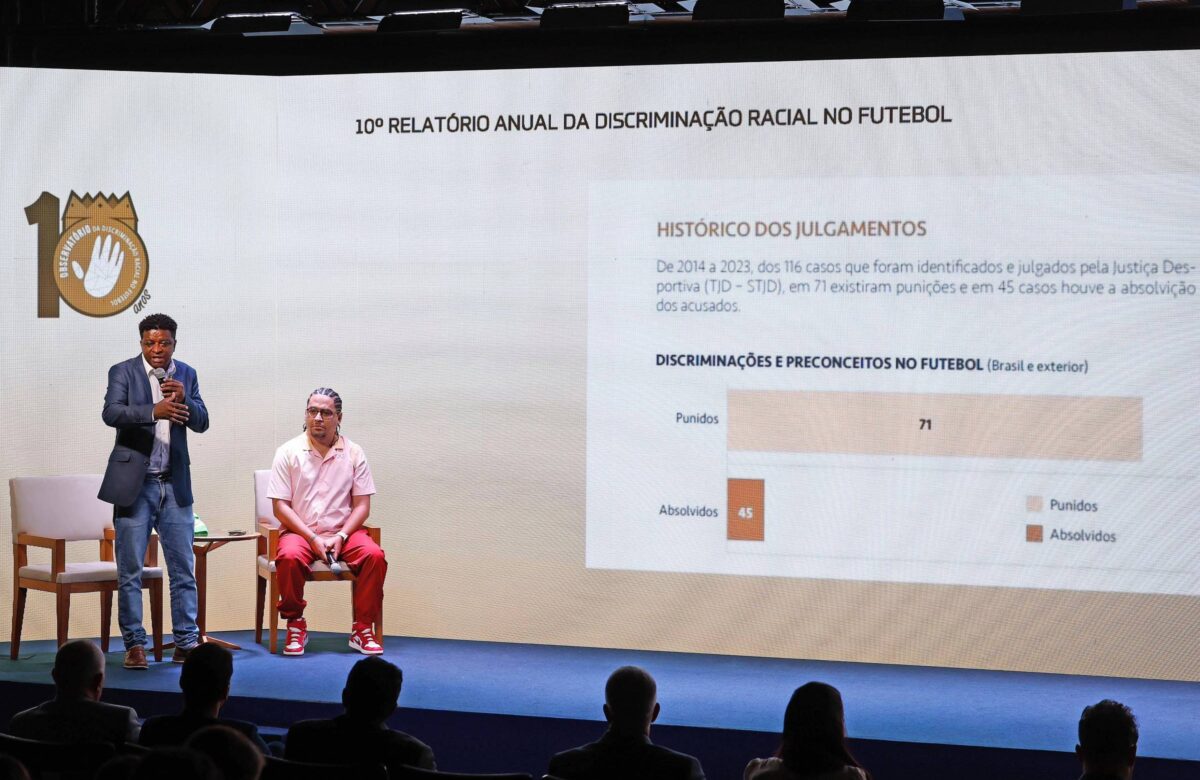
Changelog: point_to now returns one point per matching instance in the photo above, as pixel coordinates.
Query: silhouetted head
(78, 670)
(176, 763)
(1108, 737)
(12, 769)
(372, 690)
(236, 757)
(122, 766)
(205, 677)
(631, 700)
(814, 731)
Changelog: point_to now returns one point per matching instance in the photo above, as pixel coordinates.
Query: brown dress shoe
(180, 654)
(135, 658)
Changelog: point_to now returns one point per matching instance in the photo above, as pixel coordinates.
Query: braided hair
(328, 392)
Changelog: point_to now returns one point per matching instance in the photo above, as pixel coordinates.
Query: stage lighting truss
(249, 16)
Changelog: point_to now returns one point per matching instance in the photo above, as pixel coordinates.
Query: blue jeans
(155, 508)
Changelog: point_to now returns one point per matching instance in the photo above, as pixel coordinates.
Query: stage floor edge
(964, 707)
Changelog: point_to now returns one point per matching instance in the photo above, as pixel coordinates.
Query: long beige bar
(1055, 427)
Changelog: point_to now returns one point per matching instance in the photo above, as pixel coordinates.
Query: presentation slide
(880, 379)
(887, 361)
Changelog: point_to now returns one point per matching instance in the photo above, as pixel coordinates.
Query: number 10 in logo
(97, 262)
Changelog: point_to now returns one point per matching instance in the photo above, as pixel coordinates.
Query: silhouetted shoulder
(616, 759)
(76, 721)
(310, 740)
(773, 769)
(162, 730)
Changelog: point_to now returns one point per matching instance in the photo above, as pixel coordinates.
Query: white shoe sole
(355, 646)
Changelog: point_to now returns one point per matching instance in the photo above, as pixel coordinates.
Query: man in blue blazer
(152, 401)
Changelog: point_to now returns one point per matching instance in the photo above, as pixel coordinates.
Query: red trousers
(293, 563)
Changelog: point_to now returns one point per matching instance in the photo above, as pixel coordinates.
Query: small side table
(202, 546)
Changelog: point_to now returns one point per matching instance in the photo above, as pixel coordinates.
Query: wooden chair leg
(260, 599)
(63, 613)
(273, 612)
(106, 597)
(18, 617)
(156, 604)
(379, 624)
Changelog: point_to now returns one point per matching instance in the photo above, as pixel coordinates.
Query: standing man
(321, 490)
(152, 401)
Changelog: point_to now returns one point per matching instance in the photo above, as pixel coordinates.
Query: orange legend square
(1033, 533)
(744, 515)
(1033, 504)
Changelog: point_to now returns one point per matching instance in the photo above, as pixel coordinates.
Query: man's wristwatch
(344, 537)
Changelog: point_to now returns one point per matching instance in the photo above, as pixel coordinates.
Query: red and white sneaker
(362, 639)
(297, 637)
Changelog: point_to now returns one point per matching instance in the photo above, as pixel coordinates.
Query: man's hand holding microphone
(171, 407)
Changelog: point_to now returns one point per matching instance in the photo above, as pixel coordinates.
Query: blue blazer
(129, 407)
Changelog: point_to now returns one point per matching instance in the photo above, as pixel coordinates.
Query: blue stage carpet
(1030, 712)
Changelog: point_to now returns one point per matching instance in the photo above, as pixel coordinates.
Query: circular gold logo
(100, 266)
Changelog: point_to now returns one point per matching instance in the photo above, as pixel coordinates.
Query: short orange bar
(1055, 427)
(744, 518)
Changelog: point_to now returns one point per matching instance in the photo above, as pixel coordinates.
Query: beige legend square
(1033, 533)
(1033, 504)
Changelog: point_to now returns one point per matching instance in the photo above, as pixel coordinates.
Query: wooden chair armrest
(110, 537)
(37, 541)
(106, 545)
(268, 543)
(57, 548)
(373, 531)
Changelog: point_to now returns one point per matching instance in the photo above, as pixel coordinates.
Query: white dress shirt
(160, 454)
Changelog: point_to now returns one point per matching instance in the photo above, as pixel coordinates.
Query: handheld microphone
(159, 374)
(335, 566)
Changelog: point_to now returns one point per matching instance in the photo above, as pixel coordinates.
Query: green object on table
(201, 528)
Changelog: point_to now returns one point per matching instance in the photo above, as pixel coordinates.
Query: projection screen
(884, 361)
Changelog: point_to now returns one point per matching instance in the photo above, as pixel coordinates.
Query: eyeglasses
(314, 412)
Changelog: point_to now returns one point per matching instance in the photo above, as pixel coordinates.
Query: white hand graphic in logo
(103, 270)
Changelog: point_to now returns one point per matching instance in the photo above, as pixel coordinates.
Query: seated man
(1108, 737)
(321, 490)
(625, 752)
(76, 714)
(204, 680)
(361, 733)
(236, 757)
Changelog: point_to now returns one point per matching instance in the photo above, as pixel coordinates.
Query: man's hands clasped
(172, 407)
(324, 545)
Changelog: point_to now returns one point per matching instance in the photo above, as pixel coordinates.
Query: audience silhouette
(122, 766)
(76, 714)
(813, 746)
(1108, 737)
(235, 756)
(205, 679)
(199, 745)
(175, 763)
(12, 769)
(625, 751)
(361, 734)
